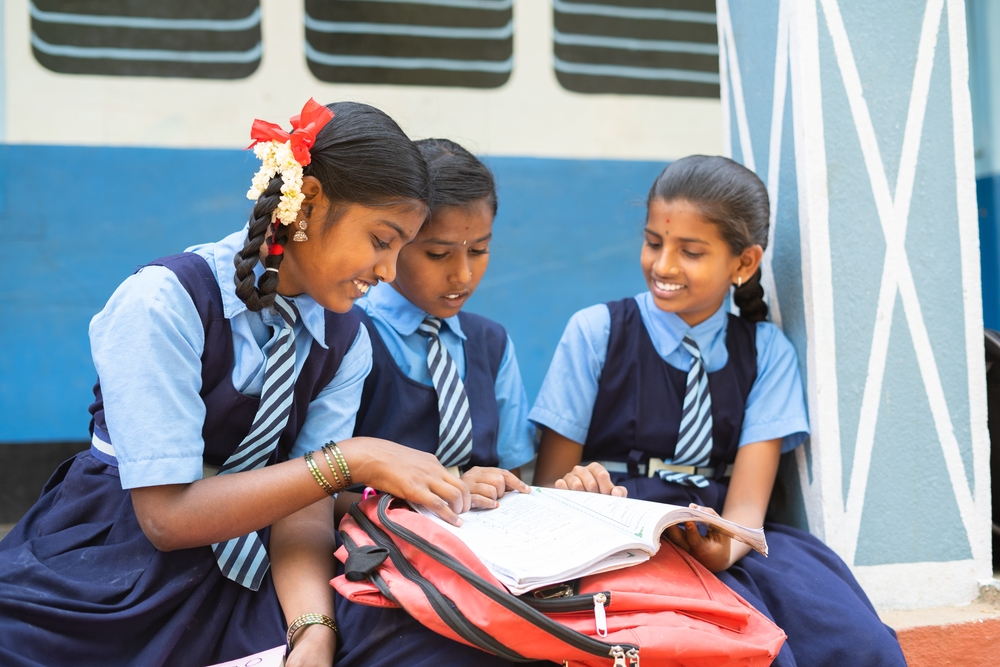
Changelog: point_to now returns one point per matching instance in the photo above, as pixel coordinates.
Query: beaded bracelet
(341, 463)
(318, 476)
(308, 619)
(336, 475)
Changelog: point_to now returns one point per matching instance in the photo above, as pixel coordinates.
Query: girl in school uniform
(667, 397)
(443, 381)
(239, 357)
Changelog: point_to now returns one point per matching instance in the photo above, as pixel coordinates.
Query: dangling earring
(739, 282)
(301, 235)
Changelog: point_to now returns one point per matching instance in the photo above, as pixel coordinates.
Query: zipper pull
(601, 617)
(619, 655)
(633, 657)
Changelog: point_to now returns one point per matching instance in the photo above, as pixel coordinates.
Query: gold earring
(300, 235)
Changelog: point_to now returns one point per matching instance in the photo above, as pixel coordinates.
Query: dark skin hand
(754, 471)
(559, 466)
(486, 486)
(302, 565)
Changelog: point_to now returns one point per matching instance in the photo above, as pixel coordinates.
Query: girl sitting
(238, 358)
(443, 381)
(667, 397)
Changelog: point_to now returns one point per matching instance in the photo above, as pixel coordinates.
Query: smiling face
(441, 269)
(344, 258)
(687, 264)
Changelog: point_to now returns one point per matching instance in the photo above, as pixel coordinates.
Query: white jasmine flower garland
(278, 158)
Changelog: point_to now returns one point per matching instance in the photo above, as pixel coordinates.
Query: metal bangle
(342, 463)
(318, 476)
(308, 619)
(329, 461)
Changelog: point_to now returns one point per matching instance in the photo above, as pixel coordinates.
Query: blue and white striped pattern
(694, 439)
(455, 429)
(244, 559)
(629, 46)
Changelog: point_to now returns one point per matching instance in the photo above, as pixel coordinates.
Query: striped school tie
(455, 425)
(694, 439)
(244, 559)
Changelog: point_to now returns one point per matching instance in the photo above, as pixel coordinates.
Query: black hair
(360, 157)
(731, 196)
(458, 178)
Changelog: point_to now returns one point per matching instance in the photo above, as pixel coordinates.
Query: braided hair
(361, 156)
(731, 196)
(458, 178)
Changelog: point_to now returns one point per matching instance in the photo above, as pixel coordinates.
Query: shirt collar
(399, 312)
(220, 258)
(669, 329)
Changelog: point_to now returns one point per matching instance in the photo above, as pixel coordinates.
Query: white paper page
(274, 657)
(645, 520)
(536, 536)
(638, 518)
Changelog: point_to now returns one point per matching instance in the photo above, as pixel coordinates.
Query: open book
(549, 536)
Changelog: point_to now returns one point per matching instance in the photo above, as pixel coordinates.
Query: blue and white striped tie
(694, 439)
(244, 559)
(455, 426)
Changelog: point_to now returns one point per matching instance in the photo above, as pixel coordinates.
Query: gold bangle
(308, 619)
(341, 463)
(329, 461)
(318, 476)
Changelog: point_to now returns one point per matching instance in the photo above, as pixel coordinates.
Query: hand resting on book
(711, 549)
(487, 485)
(593, 478)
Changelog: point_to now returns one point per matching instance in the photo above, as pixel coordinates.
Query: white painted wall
(530, 116)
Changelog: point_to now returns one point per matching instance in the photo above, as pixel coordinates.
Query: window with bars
(640, 47)
(220, 39)
(464, 43)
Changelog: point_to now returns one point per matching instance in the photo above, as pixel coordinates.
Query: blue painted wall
(983, 20)
(988, 195)
(80, 219)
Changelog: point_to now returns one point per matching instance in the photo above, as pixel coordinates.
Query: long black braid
(259, 295)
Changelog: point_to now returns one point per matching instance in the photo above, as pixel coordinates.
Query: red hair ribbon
(305, 127)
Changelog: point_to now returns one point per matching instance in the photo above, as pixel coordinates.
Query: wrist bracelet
(336, 475)
(318, 476)
(308, 619)
(342, 463)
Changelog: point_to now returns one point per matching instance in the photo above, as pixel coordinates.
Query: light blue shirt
(775, 407)
(396, 320)
(147, 344)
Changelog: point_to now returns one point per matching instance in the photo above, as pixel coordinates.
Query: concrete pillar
(857, 116)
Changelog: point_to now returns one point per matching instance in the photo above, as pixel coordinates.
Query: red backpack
(669, 611)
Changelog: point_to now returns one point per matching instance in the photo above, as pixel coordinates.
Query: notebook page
(535, 537)
(637, 518)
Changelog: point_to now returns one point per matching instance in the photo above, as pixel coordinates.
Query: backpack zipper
(571, 637)
(600, 618)
(442, 606)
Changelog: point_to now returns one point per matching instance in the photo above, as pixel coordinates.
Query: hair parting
(458, 178)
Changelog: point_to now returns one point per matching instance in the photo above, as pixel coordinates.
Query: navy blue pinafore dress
(803, 586)
(81, 585)
(397, 408)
